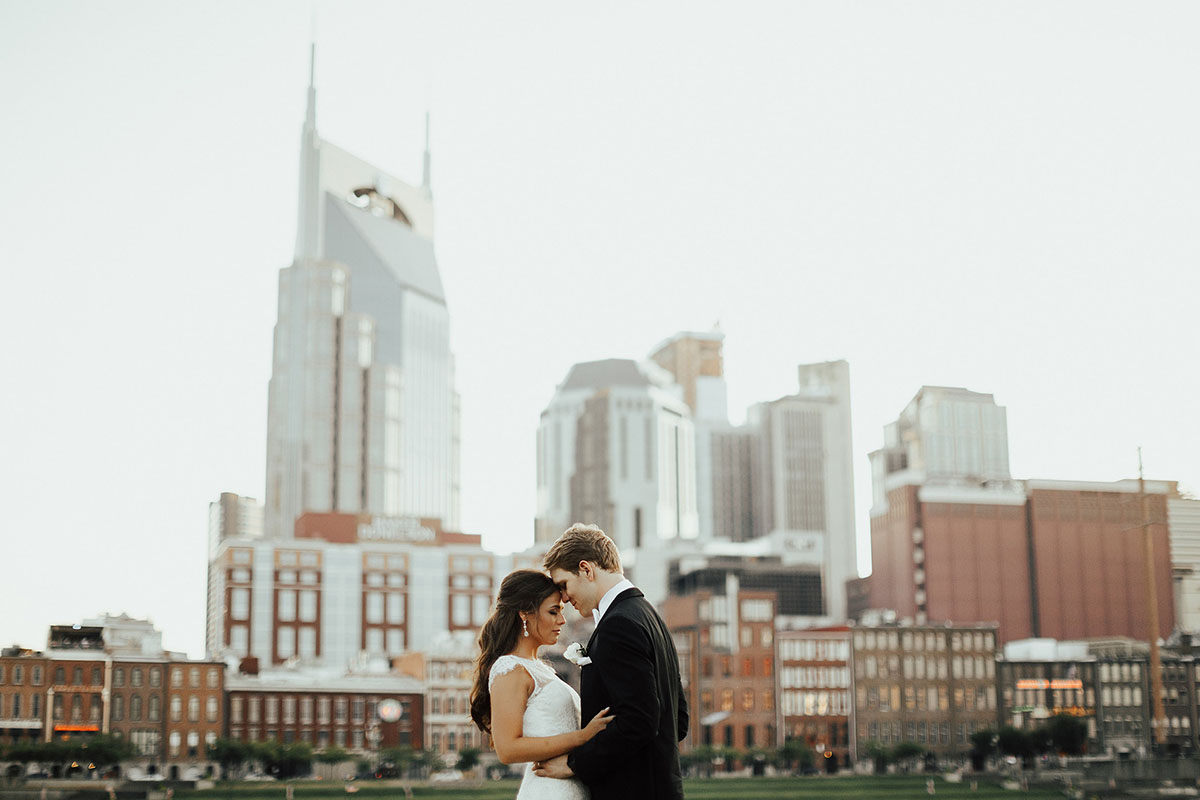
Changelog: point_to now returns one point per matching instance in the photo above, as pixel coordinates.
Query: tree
(702, 757)
(332, 755)
(983, 744)
(879, 754)
(425, 761)
(231, 754)
(729, 755)
(907, 753)
(394, 761)
(1067, 734)
(794, 755)
(283, 760)
(1020, 743)
(468, 758)
(105, 751)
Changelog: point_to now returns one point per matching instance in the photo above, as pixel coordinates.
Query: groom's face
(578, 589)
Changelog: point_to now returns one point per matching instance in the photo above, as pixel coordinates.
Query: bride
(531, 714)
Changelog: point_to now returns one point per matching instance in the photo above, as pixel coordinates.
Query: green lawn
(893, 787)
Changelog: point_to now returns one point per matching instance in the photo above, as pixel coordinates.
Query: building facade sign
(395, 529)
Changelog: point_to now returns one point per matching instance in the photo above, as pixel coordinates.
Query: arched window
(154, 709)
(135, 708)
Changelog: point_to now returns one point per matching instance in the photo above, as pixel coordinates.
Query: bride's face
(549, 620)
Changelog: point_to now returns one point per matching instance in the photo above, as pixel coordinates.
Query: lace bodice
(552, 708)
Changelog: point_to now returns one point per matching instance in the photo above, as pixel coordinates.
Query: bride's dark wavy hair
(522, 590)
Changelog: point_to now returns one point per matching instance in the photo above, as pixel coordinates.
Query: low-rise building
(363, 712)
(932, 685)
(815, 692)
(726, 648)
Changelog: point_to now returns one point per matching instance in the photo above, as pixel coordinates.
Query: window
(37, 675)
(118, 708)
(154, 709)
(194, 677)
(287, 605)
(60, 676)
(308, 606)
(155, 676)
(308, 642)
(214, 678)
(460, 610)
(77, 676)
(135, 676)
(96, 679)
(285, 644)
(375, 607)
(193, 709)
(176, 709)
(135, 707)
(239, 603)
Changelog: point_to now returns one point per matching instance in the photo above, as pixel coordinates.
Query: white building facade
(616, 447)
(1183, 523)
(348, 589)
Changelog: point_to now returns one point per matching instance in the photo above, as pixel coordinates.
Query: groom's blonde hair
(583, 543)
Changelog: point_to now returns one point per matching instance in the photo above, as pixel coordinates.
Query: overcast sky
(1001, 196)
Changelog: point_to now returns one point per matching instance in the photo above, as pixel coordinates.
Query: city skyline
(1018, 226)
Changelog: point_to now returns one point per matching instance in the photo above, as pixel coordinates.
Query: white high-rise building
(696, 363)
(363, 413)
(944, 435)
(804, 476)
(616, 448)
(1183, 520)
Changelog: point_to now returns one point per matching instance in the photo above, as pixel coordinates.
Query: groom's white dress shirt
(608, 598)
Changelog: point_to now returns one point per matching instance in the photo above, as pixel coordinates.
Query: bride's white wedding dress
(553, 708)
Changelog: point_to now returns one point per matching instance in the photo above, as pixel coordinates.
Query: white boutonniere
(577, 654)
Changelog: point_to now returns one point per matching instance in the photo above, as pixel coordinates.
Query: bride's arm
(510, 693)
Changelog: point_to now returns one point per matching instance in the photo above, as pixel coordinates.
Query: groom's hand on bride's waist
(553, 768)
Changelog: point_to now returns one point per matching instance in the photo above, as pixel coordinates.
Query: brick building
(932, 685)
(446, 670)
(361, 712)
(1055, 559)
(93, 680)
(815, 693)
(726, 648)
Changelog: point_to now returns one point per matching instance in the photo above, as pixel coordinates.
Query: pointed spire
(308, 221)
(425, 175)
(310, 114)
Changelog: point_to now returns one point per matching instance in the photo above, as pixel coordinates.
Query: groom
(634, 671)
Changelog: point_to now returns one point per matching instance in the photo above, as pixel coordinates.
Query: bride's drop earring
(525, 626)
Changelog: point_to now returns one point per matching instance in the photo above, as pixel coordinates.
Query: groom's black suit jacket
(635, 673)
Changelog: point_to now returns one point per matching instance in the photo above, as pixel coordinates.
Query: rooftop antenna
(1159, 723)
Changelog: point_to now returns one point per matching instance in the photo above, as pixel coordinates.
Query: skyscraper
(362, 413)
(697, 365)
(615, 448)
(804, 475)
